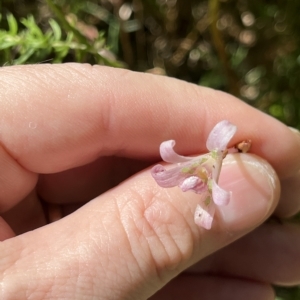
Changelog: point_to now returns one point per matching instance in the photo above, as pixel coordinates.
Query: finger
(133, 239)
(59, 117)
(268, 254)
(80, 184)
(73, 113)
(289, 203)
(84, 183)
(212, 288)
(27, 215)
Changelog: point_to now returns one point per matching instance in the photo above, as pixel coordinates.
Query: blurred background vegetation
(248, 48)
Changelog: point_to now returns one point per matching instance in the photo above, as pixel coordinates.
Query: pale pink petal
(168, 154)
(193, 183)
(176, 175)
(220, 136)
(204, 215)
(220, 196)
(168, 178)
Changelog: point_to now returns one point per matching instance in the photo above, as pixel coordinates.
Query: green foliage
(287, 294)
(31, 45)
(247, 48)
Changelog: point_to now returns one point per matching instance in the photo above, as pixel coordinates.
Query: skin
(76, 145)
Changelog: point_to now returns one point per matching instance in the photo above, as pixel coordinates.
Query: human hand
(71, 133)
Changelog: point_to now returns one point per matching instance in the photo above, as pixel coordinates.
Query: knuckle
(160, 237)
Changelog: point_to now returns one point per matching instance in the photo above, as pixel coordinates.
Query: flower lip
(220, 136)
(168, 154)
(204, 217)
(220, 196)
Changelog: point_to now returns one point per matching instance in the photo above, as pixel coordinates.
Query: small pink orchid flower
(199, 174)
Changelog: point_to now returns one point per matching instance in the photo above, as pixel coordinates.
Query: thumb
(129, 242)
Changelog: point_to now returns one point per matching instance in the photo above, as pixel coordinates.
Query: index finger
(56, 117)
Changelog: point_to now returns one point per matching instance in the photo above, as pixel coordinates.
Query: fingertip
(289, 203)
(255, 192)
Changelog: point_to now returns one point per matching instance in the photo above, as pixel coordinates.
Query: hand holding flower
(71, 140)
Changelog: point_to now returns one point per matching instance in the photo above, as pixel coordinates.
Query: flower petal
(220, 136)
(168, 178)
(220, 196)
(168, 154)
(193, 183)
(204, 215)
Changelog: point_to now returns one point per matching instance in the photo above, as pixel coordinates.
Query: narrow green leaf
(12, 24)
(31, 25)
(56, 29)
(24, 57)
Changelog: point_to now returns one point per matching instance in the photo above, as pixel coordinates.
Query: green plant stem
(213, 14)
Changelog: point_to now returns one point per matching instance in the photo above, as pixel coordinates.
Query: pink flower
(199, 174)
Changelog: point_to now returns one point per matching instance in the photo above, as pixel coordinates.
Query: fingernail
(255, 191)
